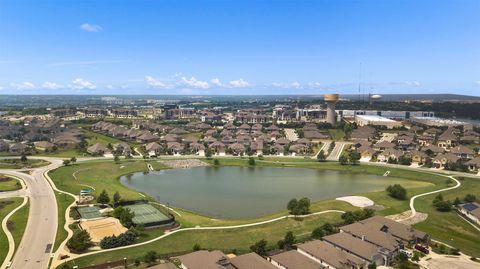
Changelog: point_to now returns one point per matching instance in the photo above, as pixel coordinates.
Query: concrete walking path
(204, 228)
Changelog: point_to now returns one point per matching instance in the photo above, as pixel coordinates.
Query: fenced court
(100, 228)
(148, 215)
(89, 212)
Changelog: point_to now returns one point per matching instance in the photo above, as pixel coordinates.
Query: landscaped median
(105, 174)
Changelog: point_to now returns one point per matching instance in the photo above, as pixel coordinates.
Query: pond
(246, 192)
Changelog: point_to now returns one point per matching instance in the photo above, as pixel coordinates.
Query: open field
(226, 240)
(18, 164)
(448, 227)
(63, 201)
(337, 134)
(9, 184)
(18, 222)
(6, 206)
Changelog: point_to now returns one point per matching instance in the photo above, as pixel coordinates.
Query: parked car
(422, 249)
(406, 252)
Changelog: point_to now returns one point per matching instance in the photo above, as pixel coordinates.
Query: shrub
(397, 191)
(125, 216)
(251, 161)
(470, 198)
(300, 207)
(260, 247)
(124, 239)
(80, 241)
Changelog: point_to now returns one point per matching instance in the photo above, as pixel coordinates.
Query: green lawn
(337, 134)
(449, 227)
(17, 224)
(9, 184)
(93, 138)
(105, 174)
(18, 164)
(225, 240)
(6, 206)
(63, 201)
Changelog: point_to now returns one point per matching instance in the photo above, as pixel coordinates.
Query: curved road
(35, 248)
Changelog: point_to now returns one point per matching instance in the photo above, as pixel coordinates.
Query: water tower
(331, 100)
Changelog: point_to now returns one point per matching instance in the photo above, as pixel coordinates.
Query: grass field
(6, 206)
(17, 224)
(18, 164)
(337, 134)
(105, 175)
(9, 184)
(63, 201)
(226, 240)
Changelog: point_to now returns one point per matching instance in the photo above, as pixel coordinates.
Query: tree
(151, 257)
(125, 215)
(321, 156)
(292, 204)
(116, 159)
(470, 198)
(80, 241)
(397, 191)
(216, 162)
(66, 162)
(288, 241)
(196, 247)
(354, 157)
(116, 197)
(443, 206)
(343, 159)
(23, 158)
(372, 266)
(103, 198)
(318, 233)
(251, 161)
(260, 248)
(73, 160)
(208, 153)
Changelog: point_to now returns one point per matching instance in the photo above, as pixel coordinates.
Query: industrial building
(397, 115)
(375, 120)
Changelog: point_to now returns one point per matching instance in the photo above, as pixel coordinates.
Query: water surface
(245, 192)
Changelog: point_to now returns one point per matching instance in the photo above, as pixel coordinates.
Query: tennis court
(89, 212)
(145, 213)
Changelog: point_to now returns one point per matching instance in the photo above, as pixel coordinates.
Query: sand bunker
(358, 201)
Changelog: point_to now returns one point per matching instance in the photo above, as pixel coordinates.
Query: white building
(375, 120)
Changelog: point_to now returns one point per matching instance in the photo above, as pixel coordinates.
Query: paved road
(36, 246)
(337, 151)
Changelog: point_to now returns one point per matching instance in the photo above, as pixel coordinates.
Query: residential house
(98, 149)
(474, 164)
(43, 145)
(442, 160)
(364, 250)
(175, 148)
(330, 256)
(447, 139)
(218, 148)
(387, 154)
(418, 157)
(471, 211)
(122, 148)
(293, 260)
(237, 149)
(18, 148)
(463, 152)
(147, 138)
(153, 149)
(4, 146)
(197, 149)
(250, 261)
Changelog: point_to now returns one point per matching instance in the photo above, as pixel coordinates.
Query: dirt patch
(100, 228)
(188, 163)
(419, 217)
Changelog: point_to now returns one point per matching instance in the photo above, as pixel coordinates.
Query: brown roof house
(293, 260)
(98, 149)
(43, 145)
(442, 160)
(153, 149)
(463, 152)
(330, 256)
(474, 164)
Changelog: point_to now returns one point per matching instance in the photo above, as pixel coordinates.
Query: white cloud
(87, 27)
(26, 85)
(1, 88)
(477, 83)
(293, 85)
(194, 83)
(413, 83)
(51, 85)
(314, 84)
(154, 83)
(82, 84)
(216, 82)
(109, 86)
(240, 83)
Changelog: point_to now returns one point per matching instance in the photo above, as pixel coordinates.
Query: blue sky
(239, 47)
